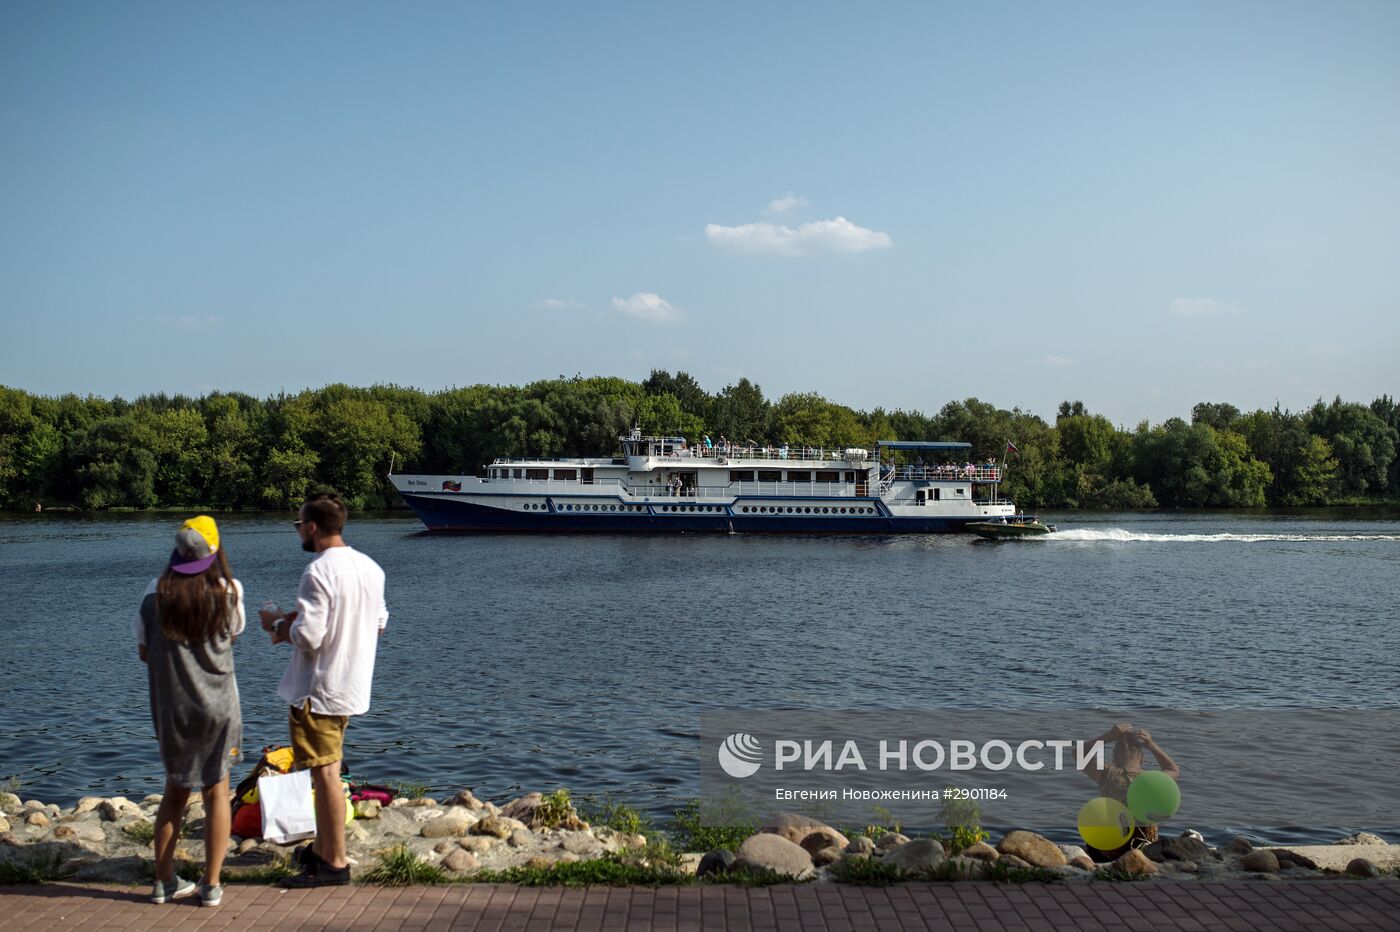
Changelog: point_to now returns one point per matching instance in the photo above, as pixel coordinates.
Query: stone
(465, 798)
(85, 832)
(1294, 859)
(118, 808)
(496, 826)
(398, 802)
(37, 818)
(566, 857)
(10, 804)
(443, 847)
(34, 804)
(1135, 864)
(460, 861)
(634, 841)
(247, 844)
(152, 799)
(368, 809)
(445, 827)
(981, 851)
(422, 802)
(768, 851)
(4, 825)
(1083, 862)
(1361, 838)
(1032, 848)
(477, 844)
(580, 843)
(826, 856)
(523, 808)
(520, 838)
(716, 862)
(1185, 867)
(1262, 861)
(794, 826)
(916, 857)
(891, 840)
(1072, 851)
(823, 837)
(1186, 848)
(491, 808)
(1011, 860)
(87, 804)
(860, 845)
(1239, 845)
(1361, 867)
(540, 862)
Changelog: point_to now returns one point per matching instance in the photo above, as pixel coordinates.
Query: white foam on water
(1119, 535)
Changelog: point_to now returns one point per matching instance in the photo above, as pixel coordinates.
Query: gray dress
(194, 697)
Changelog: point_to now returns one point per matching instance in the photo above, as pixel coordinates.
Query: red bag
(247, 821)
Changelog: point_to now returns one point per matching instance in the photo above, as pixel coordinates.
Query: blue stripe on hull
(446, 515)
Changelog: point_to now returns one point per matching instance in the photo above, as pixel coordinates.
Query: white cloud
(835, 235)
(1199, 307)
(647, 306)
(781, 205)
(1050, 359)
(558, 304)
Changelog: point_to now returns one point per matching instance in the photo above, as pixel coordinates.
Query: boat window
(537, 474)
(826, 475)
(586, 476)
(850, 477)
(519, 474)
(799, 475)
(741, 475)
(566, 474)
(919, 497)
(770, 475)
(937, 494)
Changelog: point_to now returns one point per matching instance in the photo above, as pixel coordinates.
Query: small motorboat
(1012, 528)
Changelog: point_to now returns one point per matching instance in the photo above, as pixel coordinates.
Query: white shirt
(340, 605)
(138, 628)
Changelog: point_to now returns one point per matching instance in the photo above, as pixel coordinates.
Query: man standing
(334, 631)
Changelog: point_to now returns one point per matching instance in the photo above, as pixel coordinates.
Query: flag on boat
(449, 485)
(1011, 448)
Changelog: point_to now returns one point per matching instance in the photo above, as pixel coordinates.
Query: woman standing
(189, 618)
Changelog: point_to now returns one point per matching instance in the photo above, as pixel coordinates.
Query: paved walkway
(1337, 905)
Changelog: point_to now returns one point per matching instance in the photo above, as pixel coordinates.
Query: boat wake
(1119, 535)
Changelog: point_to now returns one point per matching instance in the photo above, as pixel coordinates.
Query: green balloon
(1153, 797)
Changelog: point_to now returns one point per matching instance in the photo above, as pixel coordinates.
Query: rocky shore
(109, 840)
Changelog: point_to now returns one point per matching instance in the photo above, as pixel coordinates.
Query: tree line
(235, 451)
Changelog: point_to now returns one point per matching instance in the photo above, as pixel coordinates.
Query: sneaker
(177, 888)
(322, 875)
(210, 896)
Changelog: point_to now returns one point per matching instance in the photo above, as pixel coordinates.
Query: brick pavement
(984, 907)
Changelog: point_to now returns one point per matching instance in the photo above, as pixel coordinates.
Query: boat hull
(439, 513)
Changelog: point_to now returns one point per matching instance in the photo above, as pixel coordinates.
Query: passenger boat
(1016, 526)
(665, 484)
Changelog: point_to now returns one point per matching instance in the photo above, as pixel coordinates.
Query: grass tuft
(402, 868)
(690, 833)
(141, 831)
(866, 872)
(609, 870)
(409, 789)
(43, 867)
(614, 814)
(554, 809)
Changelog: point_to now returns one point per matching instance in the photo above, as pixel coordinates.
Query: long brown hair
(193, 609)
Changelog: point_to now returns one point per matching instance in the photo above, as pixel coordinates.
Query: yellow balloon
(1105, 823)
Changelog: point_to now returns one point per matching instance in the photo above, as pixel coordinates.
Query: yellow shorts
(316, 739)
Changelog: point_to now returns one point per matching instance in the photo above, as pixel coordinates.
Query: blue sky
(1140, 206)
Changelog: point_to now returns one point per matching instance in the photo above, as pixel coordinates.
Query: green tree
(741, 412)
(1362, 442)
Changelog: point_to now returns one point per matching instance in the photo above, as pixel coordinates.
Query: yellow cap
(206, 528)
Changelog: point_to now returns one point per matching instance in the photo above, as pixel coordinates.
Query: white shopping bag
(288, 813)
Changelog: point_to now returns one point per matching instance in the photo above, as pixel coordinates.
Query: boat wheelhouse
(665, 484)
